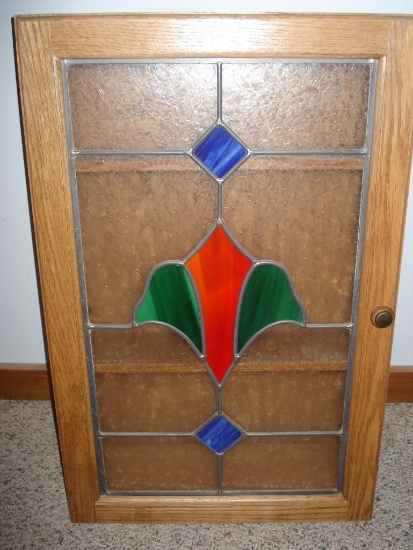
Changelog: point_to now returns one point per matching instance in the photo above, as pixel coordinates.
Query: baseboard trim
(31, 381)
(24, 381)
(400, 388)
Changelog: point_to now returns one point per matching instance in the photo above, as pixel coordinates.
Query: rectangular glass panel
(158, 464)
(297, 105)
(308, 220)
(153, 401)
(285, 401)
(147, 345)
(282, 463)
(154, 106)
(132, 220)
(291, 344)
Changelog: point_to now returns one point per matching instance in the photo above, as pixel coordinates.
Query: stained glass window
(218, 281)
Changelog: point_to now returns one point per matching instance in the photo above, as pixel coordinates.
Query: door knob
(382, 317)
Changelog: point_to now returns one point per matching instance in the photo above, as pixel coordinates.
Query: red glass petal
(219, 269)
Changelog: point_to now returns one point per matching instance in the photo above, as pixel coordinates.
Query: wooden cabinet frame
(42, 42)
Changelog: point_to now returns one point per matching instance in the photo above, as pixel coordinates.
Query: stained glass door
(220, 221)
(219, 283)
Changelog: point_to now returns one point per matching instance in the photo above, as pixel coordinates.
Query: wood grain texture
(391, 154)
(192, 35)
(220, 510)
(48, 173)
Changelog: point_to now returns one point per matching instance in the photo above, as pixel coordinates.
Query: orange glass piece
(219, 269)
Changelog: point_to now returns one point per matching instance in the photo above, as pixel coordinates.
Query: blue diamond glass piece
(219, 151)
(219, 434)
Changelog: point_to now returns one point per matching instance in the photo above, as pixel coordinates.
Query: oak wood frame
(41, 42)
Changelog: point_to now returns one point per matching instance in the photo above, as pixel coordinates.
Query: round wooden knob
(382, 317)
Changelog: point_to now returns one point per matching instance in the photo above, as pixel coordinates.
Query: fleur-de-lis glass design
(219, 298)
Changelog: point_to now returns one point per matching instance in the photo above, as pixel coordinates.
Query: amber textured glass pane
(308, 221)
(156, 344)
(140, 346)
(297, 105)
(131, 221)
(158, 464)
(285, 401)
(282, 463)
(289, 343)
(154, 401)
(141, 106)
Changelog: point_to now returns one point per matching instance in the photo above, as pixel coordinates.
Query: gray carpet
(33, 512)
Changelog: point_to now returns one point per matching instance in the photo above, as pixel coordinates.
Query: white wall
(21, 338)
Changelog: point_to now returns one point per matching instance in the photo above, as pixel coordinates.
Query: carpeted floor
(33, 512)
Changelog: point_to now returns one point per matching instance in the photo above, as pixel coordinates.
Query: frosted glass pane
(154, 401)
(131, 221)
(141, 106)
(141, 346)
(285, 401)
(158, 464)
(290, 344)
(297, 105)
(308, 221)
(282, 463)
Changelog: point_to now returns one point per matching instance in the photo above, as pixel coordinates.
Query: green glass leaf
(268, 298)
(171, 299)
